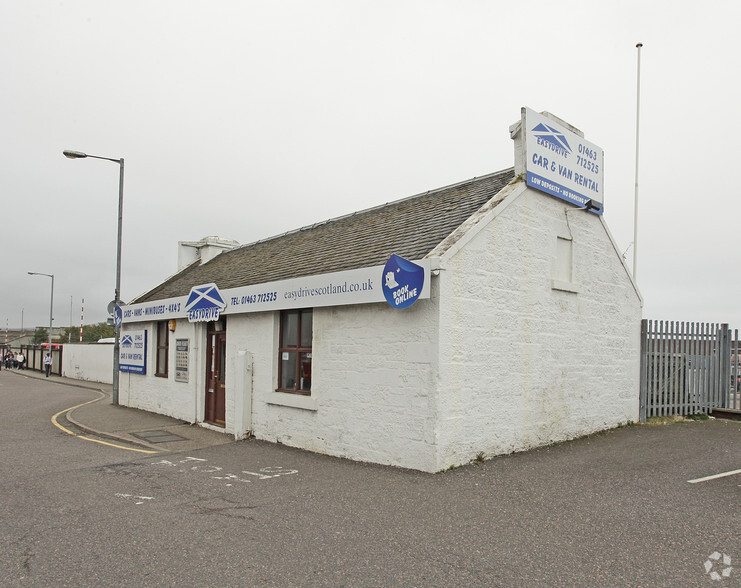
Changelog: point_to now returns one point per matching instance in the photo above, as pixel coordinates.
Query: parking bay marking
(262, 474)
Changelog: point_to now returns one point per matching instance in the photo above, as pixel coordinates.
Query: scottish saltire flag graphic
(204, 303)
(551, 135)
(126, 341)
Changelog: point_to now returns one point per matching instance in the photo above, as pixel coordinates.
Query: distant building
(14, 338)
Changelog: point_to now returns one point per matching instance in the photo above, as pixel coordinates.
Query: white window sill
(293, 400)
(565, 286)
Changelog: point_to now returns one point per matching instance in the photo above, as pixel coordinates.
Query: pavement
(131, 426)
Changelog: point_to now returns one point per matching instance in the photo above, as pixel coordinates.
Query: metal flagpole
(635, 207)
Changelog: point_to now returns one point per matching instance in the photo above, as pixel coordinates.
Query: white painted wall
(252, 334)
(164, 395)
(88, 361)
(523, 364)
(372, 384)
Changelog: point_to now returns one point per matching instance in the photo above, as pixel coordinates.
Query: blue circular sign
(402, 281)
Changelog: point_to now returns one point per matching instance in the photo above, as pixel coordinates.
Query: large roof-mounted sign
(559, 161)
(359, 286)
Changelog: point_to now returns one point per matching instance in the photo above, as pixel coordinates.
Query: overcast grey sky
(248, 119)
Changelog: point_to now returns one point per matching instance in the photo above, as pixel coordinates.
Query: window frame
(299, 349)
(158, 371)
(562, 268)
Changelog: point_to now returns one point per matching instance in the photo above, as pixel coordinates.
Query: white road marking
(263, 474)
(140, 499)
(714, 477)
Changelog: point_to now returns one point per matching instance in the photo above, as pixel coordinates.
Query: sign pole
(635, 207)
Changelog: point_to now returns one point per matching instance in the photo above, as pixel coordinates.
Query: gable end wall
(523, 364)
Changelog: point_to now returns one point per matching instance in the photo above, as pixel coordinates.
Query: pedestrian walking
(20, 358)
(47, 364)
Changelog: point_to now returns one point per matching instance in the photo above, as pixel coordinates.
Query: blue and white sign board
(117, 316)
(360, 286)
(561, 163)
(402, 281)
(133, 352)
(204, 303)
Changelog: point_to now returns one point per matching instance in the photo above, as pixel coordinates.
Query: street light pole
(51, 303)
(117, 297)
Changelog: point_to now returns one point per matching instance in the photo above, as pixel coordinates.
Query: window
(294, 353)
(562, 271)
(562, 267)
(163, 348)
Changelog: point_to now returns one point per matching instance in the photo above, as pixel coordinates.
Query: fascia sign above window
(360, 286)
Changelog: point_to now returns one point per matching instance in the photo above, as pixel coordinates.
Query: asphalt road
(614, 509)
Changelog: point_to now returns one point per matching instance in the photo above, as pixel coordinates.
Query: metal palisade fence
(688, 368)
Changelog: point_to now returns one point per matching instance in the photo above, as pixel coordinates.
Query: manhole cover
(158, 436)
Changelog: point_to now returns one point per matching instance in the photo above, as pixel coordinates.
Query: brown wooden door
(215, 379)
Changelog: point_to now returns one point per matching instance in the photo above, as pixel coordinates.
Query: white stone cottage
(526, 331)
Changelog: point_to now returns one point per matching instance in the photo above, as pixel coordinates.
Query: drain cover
(158, 436)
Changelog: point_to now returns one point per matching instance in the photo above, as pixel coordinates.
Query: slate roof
(411, 228)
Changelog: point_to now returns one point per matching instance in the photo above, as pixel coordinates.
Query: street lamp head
(74, 154)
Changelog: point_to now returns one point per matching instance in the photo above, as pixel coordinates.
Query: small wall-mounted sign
(402, 281)
(133, 352)
(182, 355)
(204, 303)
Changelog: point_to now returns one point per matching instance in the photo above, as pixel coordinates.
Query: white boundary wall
(88, 361)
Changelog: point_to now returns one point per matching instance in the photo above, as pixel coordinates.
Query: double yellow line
(55, 422)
